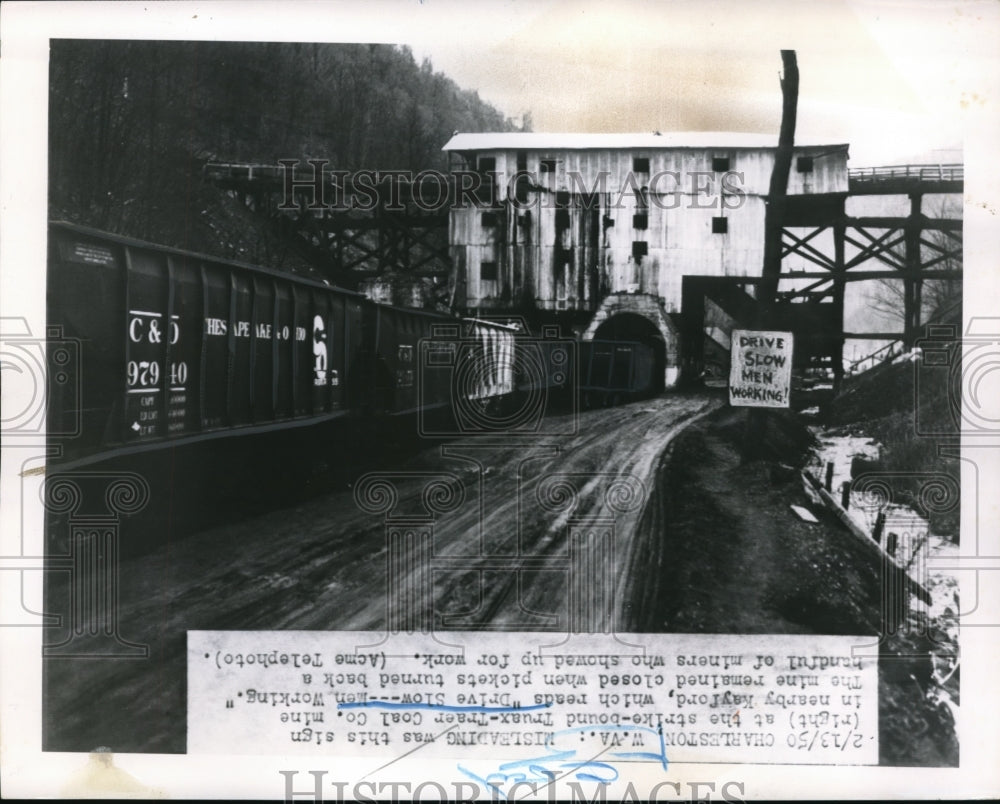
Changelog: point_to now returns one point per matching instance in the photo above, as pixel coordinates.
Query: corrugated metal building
(574, 219)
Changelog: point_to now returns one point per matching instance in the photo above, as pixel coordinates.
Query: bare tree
(940, 298)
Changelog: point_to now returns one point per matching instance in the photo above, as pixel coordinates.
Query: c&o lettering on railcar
(144, 327)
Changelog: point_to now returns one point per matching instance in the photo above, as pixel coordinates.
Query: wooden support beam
(347, 244)
(876, 247)
(935, 224)
(911, 282)
(813, 286)
(803, 240)
(777, 194)
(943, 258)
(862, 276)
(903, 186)
(876, 550)
(953, 234)
(942, 249)
(808, 297)
(806, 251)
(839, 283)
(692, 329)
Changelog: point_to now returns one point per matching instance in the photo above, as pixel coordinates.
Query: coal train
(172, 352)
(175, 347)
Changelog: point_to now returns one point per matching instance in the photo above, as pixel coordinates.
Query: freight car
(224, 384)
(230, 388)
(503, 379)
(176, 347)
(612, 372)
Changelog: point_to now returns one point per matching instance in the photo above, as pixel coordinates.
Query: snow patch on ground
(915, 541)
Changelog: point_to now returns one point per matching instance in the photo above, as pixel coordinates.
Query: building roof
(500, 141)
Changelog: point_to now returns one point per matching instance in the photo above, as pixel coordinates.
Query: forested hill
(131, 123)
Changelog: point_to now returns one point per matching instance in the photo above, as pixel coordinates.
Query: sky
(891, 78)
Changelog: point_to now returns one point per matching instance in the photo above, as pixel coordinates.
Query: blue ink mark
(558, 755)
(589, 777)
(660, 756)
(484, 782)
(440, 707)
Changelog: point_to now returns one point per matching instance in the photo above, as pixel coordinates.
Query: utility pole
(774, 221)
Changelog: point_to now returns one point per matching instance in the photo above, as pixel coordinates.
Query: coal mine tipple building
(621, 236)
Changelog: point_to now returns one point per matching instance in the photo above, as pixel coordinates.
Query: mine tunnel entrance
(634, 328)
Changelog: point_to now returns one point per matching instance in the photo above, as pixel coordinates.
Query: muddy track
(546, 538)
(531, 495)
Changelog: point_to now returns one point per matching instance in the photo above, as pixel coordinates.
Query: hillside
(132, 123)
(909, 408)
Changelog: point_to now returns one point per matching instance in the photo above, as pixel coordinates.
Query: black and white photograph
(531, 401)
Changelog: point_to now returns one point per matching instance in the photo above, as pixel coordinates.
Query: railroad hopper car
(433, 370)
(175, 347)
(613, 372)
(216, 380)
(224, 384)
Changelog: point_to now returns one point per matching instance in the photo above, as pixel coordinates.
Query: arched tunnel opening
(634, 328)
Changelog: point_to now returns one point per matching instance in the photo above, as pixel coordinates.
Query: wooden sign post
(754, 438)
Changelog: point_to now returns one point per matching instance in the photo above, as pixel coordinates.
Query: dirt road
(536, 533)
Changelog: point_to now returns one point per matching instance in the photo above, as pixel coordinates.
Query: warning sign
(761, 369)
